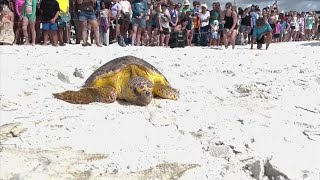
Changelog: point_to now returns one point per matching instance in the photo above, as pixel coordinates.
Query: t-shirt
(164, 20)
(49, 9)
(203, 17)
(64, 5)
(114, 9)
(278, 28)
(257, 32)
(213, 14)
(246, 21)
(254, 17)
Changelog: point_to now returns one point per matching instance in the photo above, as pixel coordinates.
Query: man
(262, 33)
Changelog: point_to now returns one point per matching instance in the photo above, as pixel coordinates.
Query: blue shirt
(257, 32)
(254, 16)
(138, 7)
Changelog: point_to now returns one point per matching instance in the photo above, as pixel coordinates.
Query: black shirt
(246, 21)
(49, 9)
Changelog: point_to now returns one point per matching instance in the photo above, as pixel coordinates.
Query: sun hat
(204, 5)
(186, 3)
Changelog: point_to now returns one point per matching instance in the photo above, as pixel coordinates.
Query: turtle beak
(145, 98)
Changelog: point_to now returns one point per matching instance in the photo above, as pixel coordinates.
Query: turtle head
(141, 91)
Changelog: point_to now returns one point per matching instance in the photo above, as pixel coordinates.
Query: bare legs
(25, 23)
(136, 35)
(52, 35)
(229, 36)
(94, 27)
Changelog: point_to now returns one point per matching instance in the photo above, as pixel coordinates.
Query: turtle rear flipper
(88, 95)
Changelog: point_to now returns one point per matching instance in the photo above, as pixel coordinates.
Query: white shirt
(204, 17)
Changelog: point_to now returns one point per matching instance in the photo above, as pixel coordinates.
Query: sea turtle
(128, 78)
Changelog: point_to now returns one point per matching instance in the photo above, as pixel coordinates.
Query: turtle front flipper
(165, 92)
(88, 95)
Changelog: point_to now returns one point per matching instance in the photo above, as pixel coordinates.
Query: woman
(262, 33)
(125, 17)
(87, 14)
(139, 12)
(229, 20)
(29, 19)
(115, 12)
(6, 25)
(19, 5)
(204, 17)
(309, 25)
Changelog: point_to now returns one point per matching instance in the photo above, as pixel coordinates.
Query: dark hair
(4, 2)
(260, 21)
(102, 2)
(183, 20)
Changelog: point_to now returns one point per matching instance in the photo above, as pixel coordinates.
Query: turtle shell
(116, 65)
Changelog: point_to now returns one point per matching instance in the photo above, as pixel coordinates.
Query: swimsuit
(30, 9)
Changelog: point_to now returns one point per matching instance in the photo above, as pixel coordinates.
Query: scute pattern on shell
(116, 65)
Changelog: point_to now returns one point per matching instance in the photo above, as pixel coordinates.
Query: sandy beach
(242, 114)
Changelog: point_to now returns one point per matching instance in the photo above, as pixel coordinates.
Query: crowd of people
(151, 23)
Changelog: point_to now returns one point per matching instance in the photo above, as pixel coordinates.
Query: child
(214, 32)
(50, 12)
(277, 32)
(145, 38)
(104, 16)
(189, 27)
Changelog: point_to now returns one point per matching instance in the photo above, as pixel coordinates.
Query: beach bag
(177, 40)
(104, 24)
(121, 41)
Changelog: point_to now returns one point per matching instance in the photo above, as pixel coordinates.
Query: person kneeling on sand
(262, 33)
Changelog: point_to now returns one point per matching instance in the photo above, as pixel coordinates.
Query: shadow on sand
(315, 43)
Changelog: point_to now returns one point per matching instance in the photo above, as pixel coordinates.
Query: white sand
(265, 104)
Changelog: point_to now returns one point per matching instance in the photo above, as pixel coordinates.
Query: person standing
(50, 12)
(229, 19)
(139, 12)
(29, 19)
(87, 14)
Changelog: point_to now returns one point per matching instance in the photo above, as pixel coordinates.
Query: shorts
(292, 27)
(276, 35)
(244, 28)
(64, 21)
(214, 35)
(139, 22)
(50, 26)
(165, 31)
(87, 16)
(261, 40)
